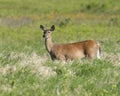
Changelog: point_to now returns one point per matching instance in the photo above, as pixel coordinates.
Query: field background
(26, 68)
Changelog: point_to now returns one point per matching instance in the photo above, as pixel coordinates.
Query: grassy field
(25, 66)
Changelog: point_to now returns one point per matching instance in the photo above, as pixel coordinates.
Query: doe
(69, 51)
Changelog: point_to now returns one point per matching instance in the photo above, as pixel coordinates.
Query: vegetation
(25, 66)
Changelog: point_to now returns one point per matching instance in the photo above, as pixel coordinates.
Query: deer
(69, 51)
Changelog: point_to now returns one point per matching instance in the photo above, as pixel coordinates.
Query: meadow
(25, 66)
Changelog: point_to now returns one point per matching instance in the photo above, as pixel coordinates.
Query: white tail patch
(98, 52)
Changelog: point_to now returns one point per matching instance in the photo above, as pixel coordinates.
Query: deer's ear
(52, 28)
(42, 27)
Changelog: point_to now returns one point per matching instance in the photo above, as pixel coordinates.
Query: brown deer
(69, 51)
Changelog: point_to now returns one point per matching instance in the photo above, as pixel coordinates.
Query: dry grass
(113, 58)
(33, 61)
(6, 88)
(36, 63)
(7, 69)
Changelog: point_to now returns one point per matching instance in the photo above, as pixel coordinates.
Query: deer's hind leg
(91, 55)
(61, 57)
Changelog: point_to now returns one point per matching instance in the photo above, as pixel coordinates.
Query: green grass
(25, 66)
(43, 7)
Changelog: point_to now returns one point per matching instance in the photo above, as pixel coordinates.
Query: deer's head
(47, 32)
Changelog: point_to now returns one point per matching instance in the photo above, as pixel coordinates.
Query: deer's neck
(48, 44)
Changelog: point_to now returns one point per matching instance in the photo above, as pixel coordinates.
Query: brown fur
(77, 50)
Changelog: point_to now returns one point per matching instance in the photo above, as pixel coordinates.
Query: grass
(42, 7)
(25, 66)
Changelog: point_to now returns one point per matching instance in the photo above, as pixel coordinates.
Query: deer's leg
(91, 53)
(61, 57)
(91, 56)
